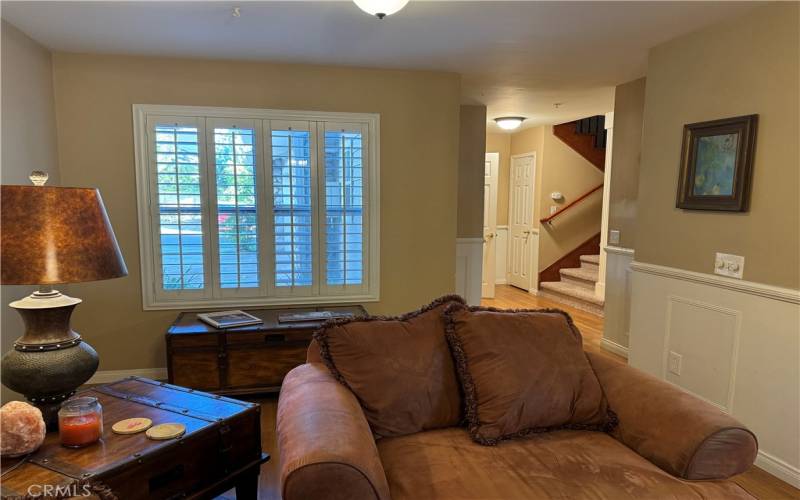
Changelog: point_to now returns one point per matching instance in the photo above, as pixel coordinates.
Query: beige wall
(743, 66)
(28, 138)
(625, 157)
(419, 160)
(501, 143)
(471, 158)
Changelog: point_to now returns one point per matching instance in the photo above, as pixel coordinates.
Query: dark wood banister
(567, 207)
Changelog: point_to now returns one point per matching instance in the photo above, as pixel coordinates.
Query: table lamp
(51, 236)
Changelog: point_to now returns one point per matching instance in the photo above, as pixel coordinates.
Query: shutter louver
(179, 207)
(237, 214)
(292, 210)
(344, 208)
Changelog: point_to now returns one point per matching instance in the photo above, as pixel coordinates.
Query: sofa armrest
(678, 432)
(326, 447)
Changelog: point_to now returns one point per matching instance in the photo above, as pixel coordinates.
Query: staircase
(562, 281)
(587, 137)
(576, 286)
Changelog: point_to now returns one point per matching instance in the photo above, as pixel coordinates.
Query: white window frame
(153, 295)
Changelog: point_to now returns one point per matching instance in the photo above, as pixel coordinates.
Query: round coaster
(162, 432)
(131, 425)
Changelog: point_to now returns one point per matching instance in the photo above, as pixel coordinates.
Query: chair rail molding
(469, 268)
(751, 287)
(619, 250)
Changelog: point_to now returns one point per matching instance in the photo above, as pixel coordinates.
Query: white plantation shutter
(244, 207)
(236, 177)
(178, 206)
(293, 160)
(343, 206)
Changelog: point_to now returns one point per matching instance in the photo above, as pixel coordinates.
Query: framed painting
(717, 164)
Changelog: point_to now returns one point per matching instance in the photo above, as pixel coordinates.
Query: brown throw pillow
(523, 372)
(400, 368)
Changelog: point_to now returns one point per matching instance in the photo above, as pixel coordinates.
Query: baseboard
(611, 346)
(778, 468)
(501, 281)
(108, 376)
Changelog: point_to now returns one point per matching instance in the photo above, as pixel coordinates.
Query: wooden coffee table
(220, 450)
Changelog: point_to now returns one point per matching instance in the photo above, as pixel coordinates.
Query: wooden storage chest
(245, 360)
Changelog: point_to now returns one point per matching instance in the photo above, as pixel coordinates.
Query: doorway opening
(510, 252)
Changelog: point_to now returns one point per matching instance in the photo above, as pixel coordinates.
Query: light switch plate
(613, 237)
(553, 209)
(729, 265)
(674, 362)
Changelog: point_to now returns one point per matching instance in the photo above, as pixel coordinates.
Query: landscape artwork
(717, 164)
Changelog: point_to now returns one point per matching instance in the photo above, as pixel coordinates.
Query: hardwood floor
(756, 481)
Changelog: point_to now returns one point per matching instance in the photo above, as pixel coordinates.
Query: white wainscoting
(739, 342)
(469, 262)
(501, 256)
(618, 300)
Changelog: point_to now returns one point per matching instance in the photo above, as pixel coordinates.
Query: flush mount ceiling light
(509, 122)
(380, 8)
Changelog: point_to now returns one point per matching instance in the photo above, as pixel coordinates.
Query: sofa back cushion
(400, 368)
(523, 372)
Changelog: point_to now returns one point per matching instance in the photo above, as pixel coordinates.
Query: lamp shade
(51, 235)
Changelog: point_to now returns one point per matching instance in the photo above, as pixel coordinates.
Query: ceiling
(517, 58)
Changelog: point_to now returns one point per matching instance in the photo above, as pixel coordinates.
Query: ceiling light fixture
(509, 122)
(380, 8)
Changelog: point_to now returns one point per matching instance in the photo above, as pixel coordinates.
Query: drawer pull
(274, 339)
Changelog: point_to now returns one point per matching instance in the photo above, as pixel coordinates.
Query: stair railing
(577, 200)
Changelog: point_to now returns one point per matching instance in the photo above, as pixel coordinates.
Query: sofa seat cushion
(399, 368)
(567, 464)
(523, 372)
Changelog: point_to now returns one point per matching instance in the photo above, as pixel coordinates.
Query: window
(243, 207)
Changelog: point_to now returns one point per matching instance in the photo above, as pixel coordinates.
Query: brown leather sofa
(668, 444)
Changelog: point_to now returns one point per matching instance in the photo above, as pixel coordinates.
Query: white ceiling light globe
(381, 8)
(509, 122)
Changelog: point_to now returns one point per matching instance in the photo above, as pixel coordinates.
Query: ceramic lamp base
(50, 361)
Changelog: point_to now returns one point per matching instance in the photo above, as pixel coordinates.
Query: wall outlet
(674, 361)
(729, 265)
(613, 237)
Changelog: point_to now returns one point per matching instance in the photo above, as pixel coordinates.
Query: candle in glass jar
(80, 422)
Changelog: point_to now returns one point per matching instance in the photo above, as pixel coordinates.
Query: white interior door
(490, 173)
(520, 224)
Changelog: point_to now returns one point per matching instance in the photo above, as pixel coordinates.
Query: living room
(312, 161)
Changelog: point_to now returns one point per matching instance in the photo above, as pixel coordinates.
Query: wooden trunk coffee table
(220, 450)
